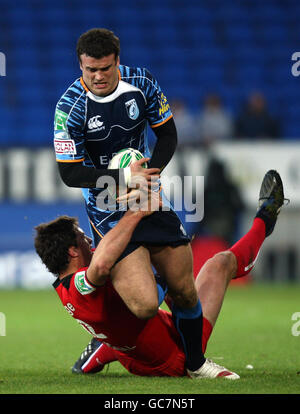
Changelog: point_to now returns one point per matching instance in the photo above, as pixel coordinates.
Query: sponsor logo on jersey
(61, 135)
(82, 284)
(132, 109)
(94, 124)
(183, 230)
(70, 308)
(60, 120)
(64, 146)
(163, 105)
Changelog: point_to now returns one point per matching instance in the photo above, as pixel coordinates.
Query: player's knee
(145, 310)
(223, 263)
(146, 313)
(186, 297)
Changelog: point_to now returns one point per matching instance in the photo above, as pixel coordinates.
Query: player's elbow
(68, 174)
(98, 272)
(67, 181)
(63, 175)
(102, 269)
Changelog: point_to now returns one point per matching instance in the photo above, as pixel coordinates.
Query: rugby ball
(125, 158)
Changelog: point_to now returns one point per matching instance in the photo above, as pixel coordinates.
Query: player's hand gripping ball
(123, 159)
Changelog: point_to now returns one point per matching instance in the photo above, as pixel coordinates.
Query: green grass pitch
(255, 327)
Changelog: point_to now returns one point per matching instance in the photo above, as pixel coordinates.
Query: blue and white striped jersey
(91, 129)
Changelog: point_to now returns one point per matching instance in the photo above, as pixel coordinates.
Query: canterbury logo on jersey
(94, 124)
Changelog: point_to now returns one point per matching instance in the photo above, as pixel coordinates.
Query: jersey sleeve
(158, 110)
(82, 284)
(69, 122)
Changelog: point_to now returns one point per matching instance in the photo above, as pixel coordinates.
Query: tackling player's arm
(112, 246)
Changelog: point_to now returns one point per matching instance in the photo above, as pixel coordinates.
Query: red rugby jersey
(99, 310)
(102, 312)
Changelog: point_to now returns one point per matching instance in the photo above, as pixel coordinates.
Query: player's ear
(73, 251)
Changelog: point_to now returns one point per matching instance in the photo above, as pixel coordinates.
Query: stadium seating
(192, 48)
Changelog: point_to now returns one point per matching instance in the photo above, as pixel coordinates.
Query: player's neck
(73, 267)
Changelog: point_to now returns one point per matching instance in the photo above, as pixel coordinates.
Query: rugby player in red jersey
(144, 347)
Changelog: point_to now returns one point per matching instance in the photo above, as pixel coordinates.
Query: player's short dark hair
(98, 43)
(52, 242)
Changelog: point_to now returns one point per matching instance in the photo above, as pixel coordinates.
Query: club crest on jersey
(132, 109)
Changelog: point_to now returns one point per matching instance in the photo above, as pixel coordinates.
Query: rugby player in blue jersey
(104, 111)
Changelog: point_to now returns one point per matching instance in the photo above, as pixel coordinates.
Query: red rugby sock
(206, 332)
(247, 248)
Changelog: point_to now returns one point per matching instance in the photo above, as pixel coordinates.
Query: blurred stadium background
(209, 57)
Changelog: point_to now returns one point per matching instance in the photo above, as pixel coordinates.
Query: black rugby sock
(189, 324)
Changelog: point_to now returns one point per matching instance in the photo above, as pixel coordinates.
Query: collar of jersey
(65, 281)
(122, 87)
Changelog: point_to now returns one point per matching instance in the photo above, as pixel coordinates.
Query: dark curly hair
(98, 43)
(52, 242)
